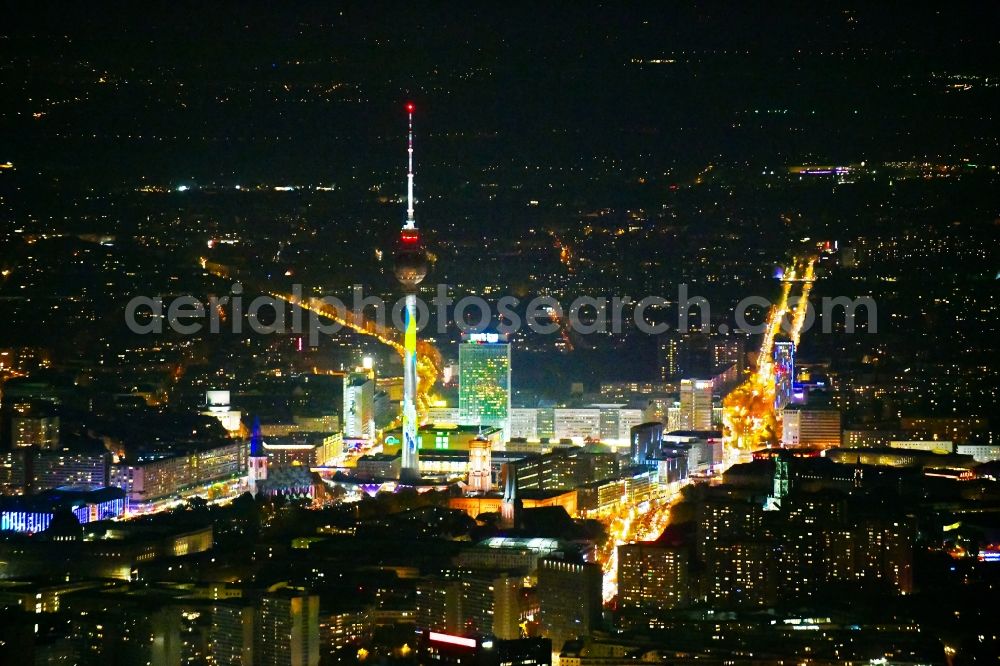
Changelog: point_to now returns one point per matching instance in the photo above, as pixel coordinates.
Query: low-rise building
(309, 449)
(154, 479)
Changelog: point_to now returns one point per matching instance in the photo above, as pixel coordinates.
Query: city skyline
(670, 338)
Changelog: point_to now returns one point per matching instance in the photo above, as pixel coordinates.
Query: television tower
(411, 269)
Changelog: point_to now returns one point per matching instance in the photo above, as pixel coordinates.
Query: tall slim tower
(510, 507)
(411, 269)
(782, 483)
(257, 462)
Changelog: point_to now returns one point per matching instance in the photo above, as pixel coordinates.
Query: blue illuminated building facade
(646, 443)
(784, 372)
(35, 513)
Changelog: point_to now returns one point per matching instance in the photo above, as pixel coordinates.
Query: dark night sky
(272, 92)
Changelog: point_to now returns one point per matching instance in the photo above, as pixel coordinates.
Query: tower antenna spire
(411, 222)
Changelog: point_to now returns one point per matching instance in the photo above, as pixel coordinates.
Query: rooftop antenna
(411, 223)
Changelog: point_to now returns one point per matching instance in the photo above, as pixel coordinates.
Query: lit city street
(749, 415)
(644, 522)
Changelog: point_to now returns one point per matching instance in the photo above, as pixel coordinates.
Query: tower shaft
(410, 462)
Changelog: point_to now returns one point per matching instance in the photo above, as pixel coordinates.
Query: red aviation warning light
(410, 107)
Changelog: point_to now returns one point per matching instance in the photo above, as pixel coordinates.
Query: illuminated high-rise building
(729, 350)
(411, 269)
(652, 577)
(465, 601)
(257, 461)
(32, 423)
(52, 469)
(231, 634)
(359, 406)
(646, 442)
(484, 382)
(669, 351)
(784, 372)
(805, 426)
(698, 354)
(740, 574)
(721, 519)
(287, 629)
(569, 599)
(687, 355)
(696, 404)
(782, 483)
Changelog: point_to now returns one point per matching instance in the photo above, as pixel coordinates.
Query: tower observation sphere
(410, 263)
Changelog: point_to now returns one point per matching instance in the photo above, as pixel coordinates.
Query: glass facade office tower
(484, 382)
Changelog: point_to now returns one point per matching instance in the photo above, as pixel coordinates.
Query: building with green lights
(484, 382)
(444, 437)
